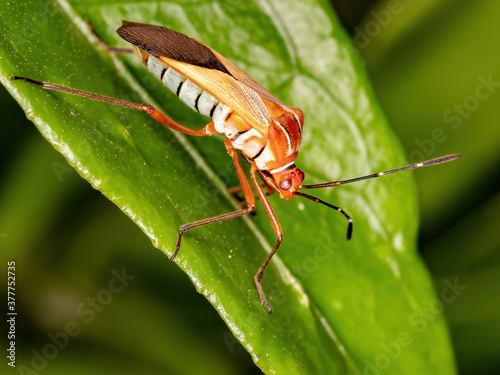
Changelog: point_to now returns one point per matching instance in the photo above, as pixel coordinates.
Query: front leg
(277, 231)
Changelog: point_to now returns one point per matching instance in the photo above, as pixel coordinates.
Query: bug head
(288, 181)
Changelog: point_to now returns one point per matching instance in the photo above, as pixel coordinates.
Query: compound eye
(285, 184)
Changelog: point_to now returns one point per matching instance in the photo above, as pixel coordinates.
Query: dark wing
(209, 70)
(161, 41)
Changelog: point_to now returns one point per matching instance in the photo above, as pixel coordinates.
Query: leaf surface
(339, 307)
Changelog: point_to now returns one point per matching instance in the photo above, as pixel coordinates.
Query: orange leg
(148, 109)
(234, 190)
(277, 230)
(247, 191)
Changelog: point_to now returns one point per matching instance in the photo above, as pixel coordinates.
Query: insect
(260, 128)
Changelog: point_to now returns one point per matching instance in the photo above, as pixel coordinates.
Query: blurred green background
(434, 65)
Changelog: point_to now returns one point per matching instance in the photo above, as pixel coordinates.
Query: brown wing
(161, 41)
(206, 68)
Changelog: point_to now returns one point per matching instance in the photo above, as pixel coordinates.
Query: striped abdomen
(191, 94)
(242, 136)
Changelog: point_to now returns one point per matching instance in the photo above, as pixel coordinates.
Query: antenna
(440, 160)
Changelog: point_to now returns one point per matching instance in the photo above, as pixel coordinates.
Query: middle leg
(247, 191)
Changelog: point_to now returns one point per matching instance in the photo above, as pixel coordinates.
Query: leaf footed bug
(260, 128)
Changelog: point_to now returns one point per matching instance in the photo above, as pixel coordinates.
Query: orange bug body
(264, 130)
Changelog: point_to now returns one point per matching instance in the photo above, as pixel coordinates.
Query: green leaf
(340, 307)
(435, 71)
(434, 67)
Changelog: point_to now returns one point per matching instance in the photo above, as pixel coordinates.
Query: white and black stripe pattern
(191, 94)
(250, 141)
